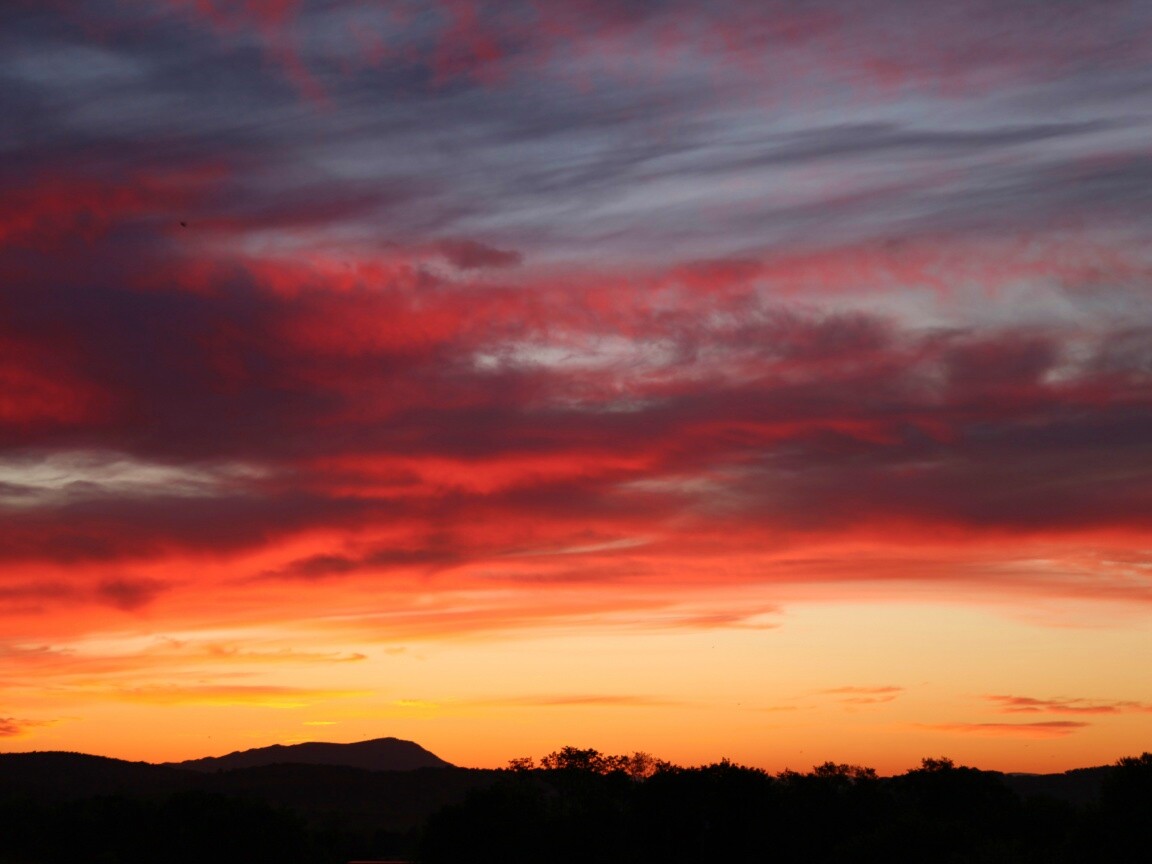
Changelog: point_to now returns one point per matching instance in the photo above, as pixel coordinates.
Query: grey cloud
(1048, 195)
(472, 255)
(535, 161)
(886, 138)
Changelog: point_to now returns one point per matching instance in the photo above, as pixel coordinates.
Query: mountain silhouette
(379, 754)
(1078, 786)
(348, 799)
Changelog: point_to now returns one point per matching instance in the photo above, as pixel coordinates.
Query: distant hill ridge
(312, 780)
(53, 774)
(379, 754)
(366, 779)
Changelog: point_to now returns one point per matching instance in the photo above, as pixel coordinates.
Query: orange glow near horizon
(692, 677)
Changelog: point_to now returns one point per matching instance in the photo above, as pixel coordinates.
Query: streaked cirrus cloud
(1040, 729)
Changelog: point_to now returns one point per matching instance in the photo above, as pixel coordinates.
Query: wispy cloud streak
(1078, 705)
(1041, 729)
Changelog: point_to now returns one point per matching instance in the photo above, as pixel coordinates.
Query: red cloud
(429, 423)
(61, 206)
(517, 418)
(129, 593)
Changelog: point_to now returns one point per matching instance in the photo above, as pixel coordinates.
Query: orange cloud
(12, 727)
(257, 695)
(864, 695)
(578, 701)
(1042, 729)
(1078, 705)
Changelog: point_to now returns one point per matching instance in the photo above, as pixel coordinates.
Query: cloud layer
(224, 334)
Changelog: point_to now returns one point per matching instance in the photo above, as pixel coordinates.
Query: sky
(761, 380)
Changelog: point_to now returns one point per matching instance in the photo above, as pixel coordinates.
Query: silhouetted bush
(583, 806)
(1119, 829)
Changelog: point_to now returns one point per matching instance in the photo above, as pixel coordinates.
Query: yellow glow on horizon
(788, 696)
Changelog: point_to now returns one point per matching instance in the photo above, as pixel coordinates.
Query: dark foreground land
(576, 806)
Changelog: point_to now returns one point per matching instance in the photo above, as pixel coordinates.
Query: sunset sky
(762, 380)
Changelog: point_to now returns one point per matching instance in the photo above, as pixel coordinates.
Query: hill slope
(57, 774)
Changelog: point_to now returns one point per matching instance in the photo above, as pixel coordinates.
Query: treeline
(191, 827)
(582, 806)
(579, 805)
